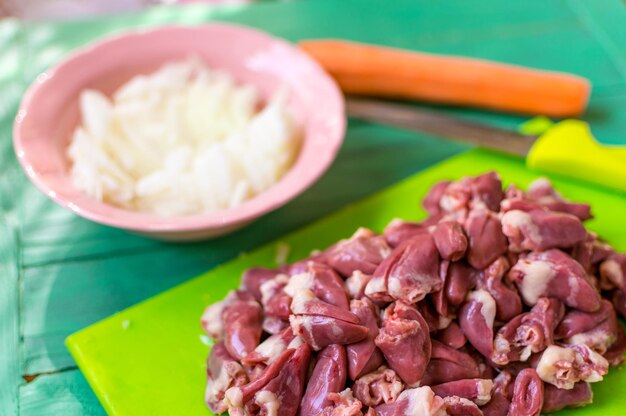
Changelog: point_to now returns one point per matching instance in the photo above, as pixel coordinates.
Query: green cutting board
(150, 359)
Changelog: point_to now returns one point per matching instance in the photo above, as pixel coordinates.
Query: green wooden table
(59, 273)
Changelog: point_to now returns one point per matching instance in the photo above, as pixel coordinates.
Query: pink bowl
(49, 113)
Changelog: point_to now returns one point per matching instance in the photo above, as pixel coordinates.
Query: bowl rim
(249, 210)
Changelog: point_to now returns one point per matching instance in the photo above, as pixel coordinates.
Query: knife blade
(439, 124)
(567, 148)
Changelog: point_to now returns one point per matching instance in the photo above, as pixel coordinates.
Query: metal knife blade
(439, 124)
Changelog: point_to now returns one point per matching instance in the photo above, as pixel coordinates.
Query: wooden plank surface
(10, 374)
(10, 371)
(72, 272)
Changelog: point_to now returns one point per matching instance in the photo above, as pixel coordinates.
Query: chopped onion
(183, 140)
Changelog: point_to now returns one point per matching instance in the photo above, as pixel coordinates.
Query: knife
(567, 148)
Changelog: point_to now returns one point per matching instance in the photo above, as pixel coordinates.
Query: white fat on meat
(297, 282)
(456, 400)
(557, 364)
(597, 339)
(554, 361)
(300, 324)
(300, 299)
(449, 203)
(295, 343)
(395, 287)
(271, 348)
(484, 392)
(362, 232)
(422, 401)
(409, 293)
(355, 284)
(574, 288)
(526, 353)
(383, 249)
(597, 361)
(346, 395)
(345, 404)
(537, 276)
(395, 222)
(501, 349)
(268, 402)
(444, 322)
(271, 287)
(217, 385)
(488, 308)
(611, 270)
(393, 390)
(540, 183)
(516, 219)
(519, 220)
(543, 185)
(376, 285)
(390, 387)
(233, 398)
(211, 319)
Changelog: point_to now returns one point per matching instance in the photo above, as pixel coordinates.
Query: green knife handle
(568, 148)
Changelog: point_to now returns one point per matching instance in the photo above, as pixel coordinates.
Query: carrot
(364, 69)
